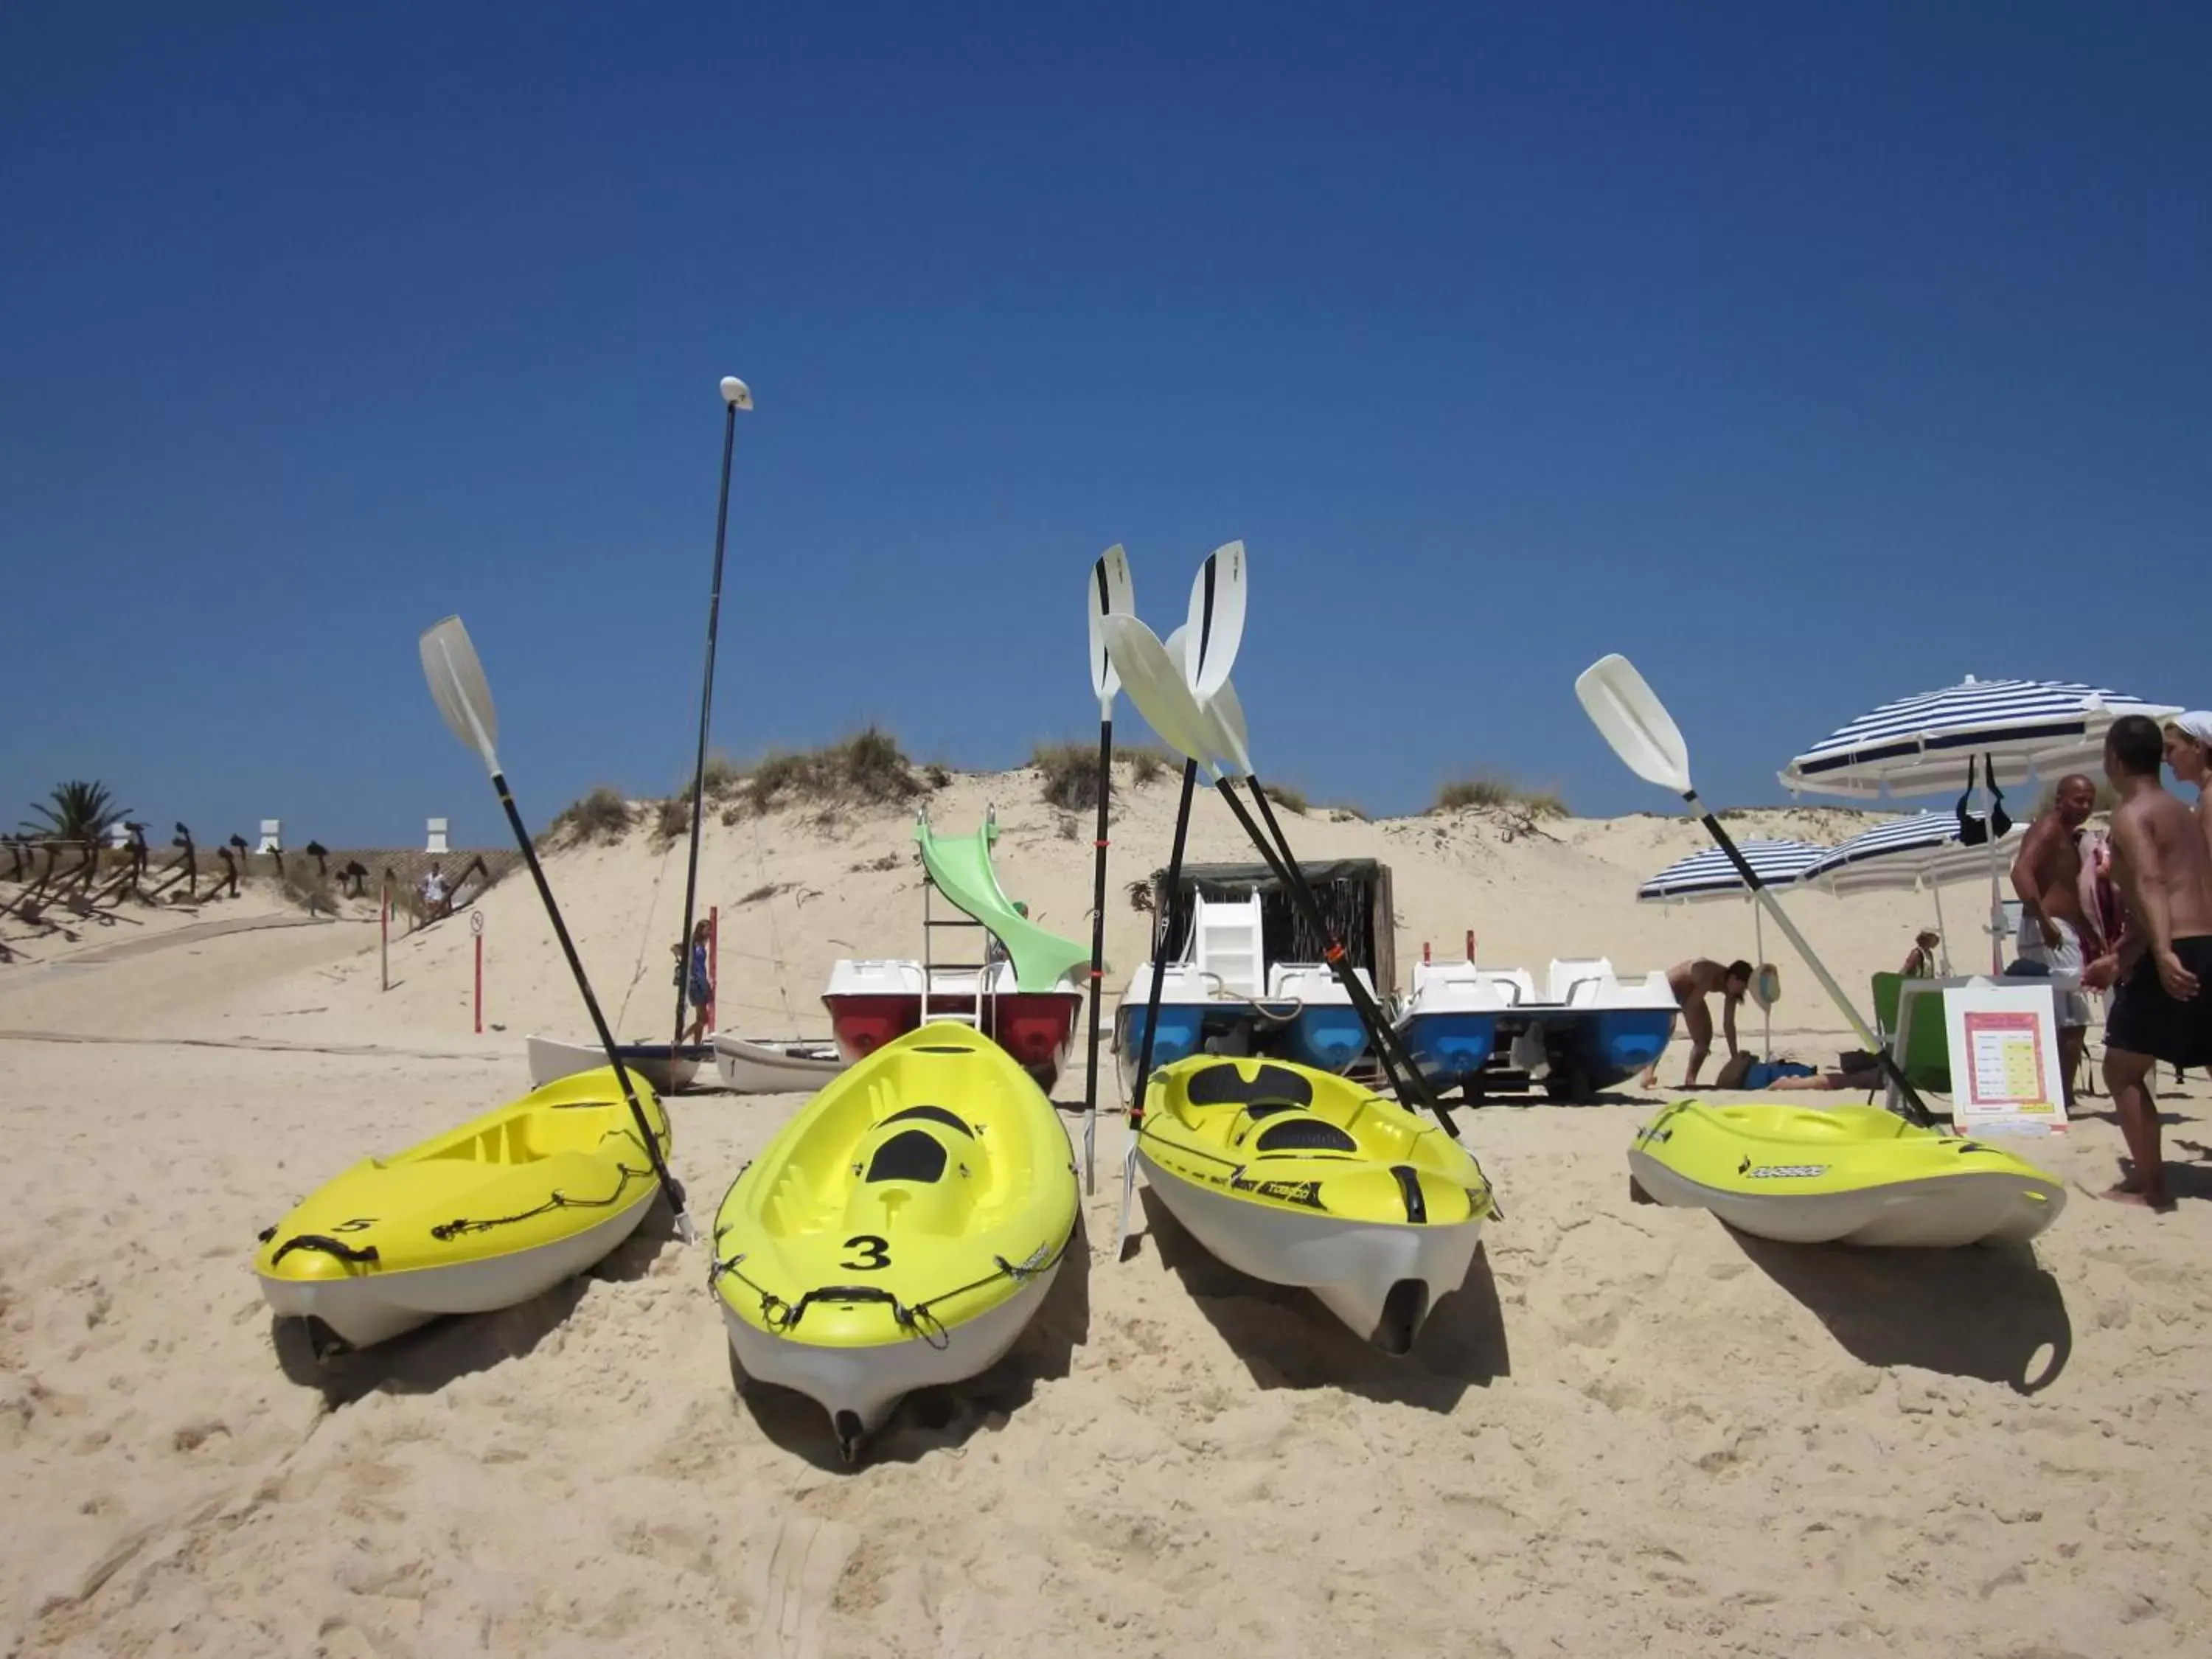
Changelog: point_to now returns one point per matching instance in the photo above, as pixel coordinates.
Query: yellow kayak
(900, 1229)
(1303, 1177)
(1847, 1175)
(484, 1216)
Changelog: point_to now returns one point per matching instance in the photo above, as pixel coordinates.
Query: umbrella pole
(1996, 901)
(1766, 1010)
(1942, 933)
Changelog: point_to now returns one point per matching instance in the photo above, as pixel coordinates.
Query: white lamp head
(736, 392)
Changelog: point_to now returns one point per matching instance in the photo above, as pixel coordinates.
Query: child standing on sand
(699, 989)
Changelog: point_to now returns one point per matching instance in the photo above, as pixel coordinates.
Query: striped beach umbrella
(1917, 852)
(1931, 744)
(1710, 875)
(1920, 746)
(1924, 850)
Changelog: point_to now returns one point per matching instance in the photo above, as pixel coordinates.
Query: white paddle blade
(1217, 619)
(1221, 725)
(457, 687)
(1233, 742)
(1630, 717)
(1112, 594)
(1154, 682)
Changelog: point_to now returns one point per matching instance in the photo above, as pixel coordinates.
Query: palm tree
(80, 811)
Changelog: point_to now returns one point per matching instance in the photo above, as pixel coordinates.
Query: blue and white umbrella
(1710, 875)
(1920, 746)
(1924, 850)
(1928, 744)
(1921, 851)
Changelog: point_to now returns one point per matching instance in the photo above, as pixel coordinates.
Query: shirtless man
(2047, 875)
(1693, 982)
(2162, 1009)
(2189, 752)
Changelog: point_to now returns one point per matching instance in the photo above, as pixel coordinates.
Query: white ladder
(1226, 945)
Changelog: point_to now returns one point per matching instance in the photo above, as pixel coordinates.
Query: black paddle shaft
(1098, 912)
(1410, 1082)
(706, 707)
(1917, 1110)
(1163, 932)
(592, 1004)
(1281, 861)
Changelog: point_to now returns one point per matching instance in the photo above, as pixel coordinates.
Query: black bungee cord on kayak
(780, 1314)
(446, 1230)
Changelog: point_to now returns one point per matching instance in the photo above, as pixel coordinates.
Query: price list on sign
(2004, 1060)
(2004, 1042)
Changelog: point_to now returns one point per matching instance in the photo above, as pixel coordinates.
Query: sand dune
(1629, 1432)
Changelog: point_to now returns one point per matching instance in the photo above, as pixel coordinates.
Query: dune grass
(602, 816)
(1497, 792)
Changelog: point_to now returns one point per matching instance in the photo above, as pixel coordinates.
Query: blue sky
(1812, 356)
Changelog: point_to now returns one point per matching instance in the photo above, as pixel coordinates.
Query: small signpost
(2005, 1075)
(476, 931)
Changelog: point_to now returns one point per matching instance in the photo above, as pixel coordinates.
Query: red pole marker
(1470, 945)
(476, 928)
(1425, 950)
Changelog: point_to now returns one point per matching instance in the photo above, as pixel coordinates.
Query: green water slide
(960, 865)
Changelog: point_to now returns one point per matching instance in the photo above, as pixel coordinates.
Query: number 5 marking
(875, 1253)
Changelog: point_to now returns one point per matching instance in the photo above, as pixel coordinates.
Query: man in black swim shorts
(2163, 1008)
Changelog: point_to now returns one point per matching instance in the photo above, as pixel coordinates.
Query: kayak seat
(1304, 1135)
(930, 1115)
(1226, 1083)
(910, 1155)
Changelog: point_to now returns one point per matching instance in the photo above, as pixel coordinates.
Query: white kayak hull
(776, 1065)
(370, 1308)
(859, 1386)
(1352, 1267)
(668, 1071)
(1934, 1212)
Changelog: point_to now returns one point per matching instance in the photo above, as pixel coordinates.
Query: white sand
(1632, 1431)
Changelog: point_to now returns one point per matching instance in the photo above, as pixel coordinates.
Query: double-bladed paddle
(1109, 592)
(464, 697)
(1182, 688)
(1630, 717)
(1215, 732)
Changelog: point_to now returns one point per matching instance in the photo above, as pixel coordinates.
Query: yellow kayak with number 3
(900, 1232)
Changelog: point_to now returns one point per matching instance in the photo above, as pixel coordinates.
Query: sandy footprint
(804, 1561)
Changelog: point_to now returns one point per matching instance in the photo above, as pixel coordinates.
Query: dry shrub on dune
(603, 817)
(1497, 792)
(1067, 774)
(868, 768)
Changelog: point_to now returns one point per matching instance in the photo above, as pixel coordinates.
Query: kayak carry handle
(344, 1252)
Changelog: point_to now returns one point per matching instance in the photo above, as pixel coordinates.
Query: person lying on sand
(1869, 1079)
(1692, 982)
(2161, 1009)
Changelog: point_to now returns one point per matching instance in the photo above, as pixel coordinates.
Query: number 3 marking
(875, 1253)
